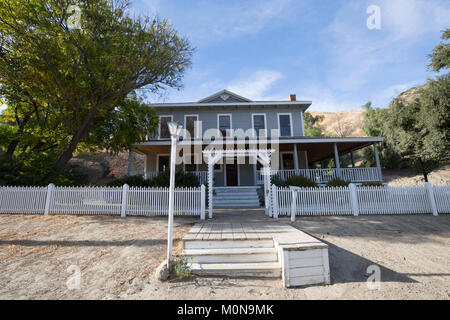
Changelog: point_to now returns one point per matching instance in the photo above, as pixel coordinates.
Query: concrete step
(237, 205)
(236, 255)
(235, 190)
(230, 201)
(227, 244)
(259, 269)
(236, 196)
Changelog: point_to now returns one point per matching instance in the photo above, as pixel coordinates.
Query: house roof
(225, 98)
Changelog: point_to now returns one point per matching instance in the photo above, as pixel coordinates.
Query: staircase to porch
(226, 197)
(226, 250)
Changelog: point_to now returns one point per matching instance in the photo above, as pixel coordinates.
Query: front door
(163, 163)
(232, 175)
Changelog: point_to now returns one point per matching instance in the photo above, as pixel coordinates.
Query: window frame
(196, 135)
(159, 124)
(265, 124)
(157, 160)
(290, 123)
(231, 122)
(282, 162)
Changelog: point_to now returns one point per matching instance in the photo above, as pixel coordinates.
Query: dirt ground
(117, 258)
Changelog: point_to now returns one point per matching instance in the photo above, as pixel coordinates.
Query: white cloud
(408, 19)
(256, 85)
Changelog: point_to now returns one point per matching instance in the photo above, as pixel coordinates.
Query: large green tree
(419, 130)
(373, 126)
(312, 125)
(67, 89)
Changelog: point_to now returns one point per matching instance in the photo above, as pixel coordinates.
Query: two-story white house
(234, 122)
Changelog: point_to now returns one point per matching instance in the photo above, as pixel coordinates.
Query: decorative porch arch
(263, 156)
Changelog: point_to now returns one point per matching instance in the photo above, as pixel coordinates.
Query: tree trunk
(425, 176)
(12, 147)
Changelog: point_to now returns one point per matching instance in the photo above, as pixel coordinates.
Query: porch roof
(318, 148)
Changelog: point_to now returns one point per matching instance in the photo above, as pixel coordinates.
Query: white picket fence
(360, 200)
(101, 200)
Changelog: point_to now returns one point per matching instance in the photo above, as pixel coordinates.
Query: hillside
(343, 124)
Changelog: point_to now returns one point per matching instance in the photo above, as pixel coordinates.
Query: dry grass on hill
(347, 123)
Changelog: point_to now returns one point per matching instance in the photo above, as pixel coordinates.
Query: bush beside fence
(360, 200)
(101, 200)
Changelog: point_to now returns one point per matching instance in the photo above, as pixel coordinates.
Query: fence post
(293, 204)
(50, 189)
(202, 199)
(123, 211)
(430, 193)
(275, 201)
(353, 199)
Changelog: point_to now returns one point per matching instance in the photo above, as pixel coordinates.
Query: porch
(292, 156)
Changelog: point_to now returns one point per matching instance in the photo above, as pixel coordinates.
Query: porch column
(267, 188)
(145, 167)
(377, 160)
(295, 158)
(210, 187)
(336, 160)
(351, 158)
(255, 178)
(130, 162)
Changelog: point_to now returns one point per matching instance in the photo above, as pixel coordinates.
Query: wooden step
(237, 255)
(260, 269)
(227, 244)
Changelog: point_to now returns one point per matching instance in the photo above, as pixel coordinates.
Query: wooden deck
(284, 234)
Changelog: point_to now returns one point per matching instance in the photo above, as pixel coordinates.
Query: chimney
(292, 97)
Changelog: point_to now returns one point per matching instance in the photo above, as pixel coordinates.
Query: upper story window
(285, 124)
(190, 125)
(224, 124)
(259, 123)
(164, 132)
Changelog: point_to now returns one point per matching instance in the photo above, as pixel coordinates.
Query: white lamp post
(175, 131)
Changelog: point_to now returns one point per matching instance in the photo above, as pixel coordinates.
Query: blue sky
(320, 50)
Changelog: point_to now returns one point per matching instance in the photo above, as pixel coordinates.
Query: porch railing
(325, 175)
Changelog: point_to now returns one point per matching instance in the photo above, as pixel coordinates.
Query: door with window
(163, 163)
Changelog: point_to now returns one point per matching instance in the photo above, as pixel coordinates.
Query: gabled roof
(224, 96)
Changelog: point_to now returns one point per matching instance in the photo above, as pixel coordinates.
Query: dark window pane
(224, 124)
(285, 125)
(190, 125)
(258, 123)
(164, 128)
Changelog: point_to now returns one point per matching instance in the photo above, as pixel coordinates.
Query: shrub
(132, 181)
(301, 181)
(162, 179)
(276, 180)
(372, 184)
(337, 182)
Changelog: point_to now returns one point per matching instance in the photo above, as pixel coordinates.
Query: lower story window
(287, 161)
